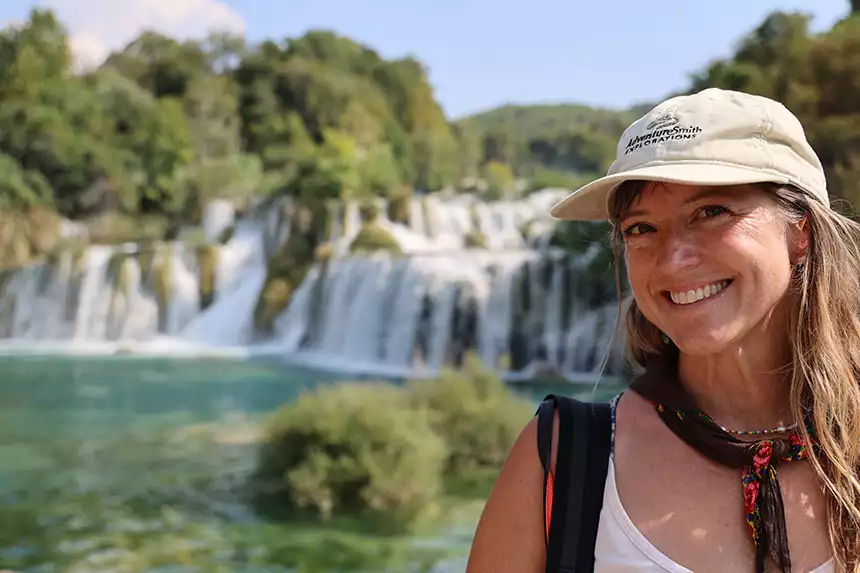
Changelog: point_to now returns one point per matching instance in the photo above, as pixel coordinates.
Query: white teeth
(692, 296)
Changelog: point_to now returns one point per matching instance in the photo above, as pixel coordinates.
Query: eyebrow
(707, 192)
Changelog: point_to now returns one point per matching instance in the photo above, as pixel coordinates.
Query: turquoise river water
(124, 464)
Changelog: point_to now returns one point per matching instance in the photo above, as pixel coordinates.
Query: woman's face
(709, 265)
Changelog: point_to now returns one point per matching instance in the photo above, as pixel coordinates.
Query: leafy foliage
(815, 75)
(476, 414)
(352, 448)
(567, 138)
(386, 449)
(163, 126)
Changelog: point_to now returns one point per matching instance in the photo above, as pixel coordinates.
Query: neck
(746, 387)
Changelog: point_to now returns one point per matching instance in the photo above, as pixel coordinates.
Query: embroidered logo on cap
(666, 120)
(666, 127)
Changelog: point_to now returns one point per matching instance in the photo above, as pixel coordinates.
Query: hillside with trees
(550, 144)
(135, 148)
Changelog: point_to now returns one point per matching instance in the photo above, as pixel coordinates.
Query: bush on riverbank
(351, 448)
(384, 449)
(474, 412)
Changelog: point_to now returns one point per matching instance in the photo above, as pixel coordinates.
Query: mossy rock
(274, 298)
(473, 215)
(43, 229)
(369, 211)
(207, 263)
(289, 264)
(146, 258)
(333, 210)
(26, 236)
(162, 282)
(475, 240)
(79, 257)
(17, 252)
(323, 252)
(286, 271)
(399, 209)
(373, 237)
(227, 235)
(119, 273)
(119, 276)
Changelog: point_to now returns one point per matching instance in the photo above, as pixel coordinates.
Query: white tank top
(621, 548)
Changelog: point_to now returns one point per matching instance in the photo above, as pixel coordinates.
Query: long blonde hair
(825, 345)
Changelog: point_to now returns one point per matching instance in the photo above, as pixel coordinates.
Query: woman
(737, 446)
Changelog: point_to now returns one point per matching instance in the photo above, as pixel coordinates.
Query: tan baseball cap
(713, 137)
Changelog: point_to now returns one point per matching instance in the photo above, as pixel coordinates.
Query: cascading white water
(514, 305)
(417, 313)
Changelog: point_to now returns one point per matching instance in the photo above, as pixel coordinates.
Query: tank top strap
(613, 404)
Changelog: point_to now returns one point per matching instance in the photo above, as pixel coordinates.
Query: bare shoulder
(510, 534)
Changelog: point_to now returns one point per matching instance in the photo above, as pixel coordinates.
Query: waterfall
(523, 307)
(420, 312)
(126, 294)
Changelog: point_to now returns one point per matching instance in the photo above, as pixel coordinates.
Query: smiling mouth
(702, 293)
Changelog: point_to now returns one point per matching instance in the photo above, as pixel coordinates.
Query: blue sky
(479, 53)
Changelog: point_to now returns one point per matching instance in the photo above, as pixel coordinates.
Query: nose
(678, 249)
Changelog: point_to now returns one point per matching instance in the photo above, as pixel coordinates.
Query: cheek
(762, 253)
(640, 268)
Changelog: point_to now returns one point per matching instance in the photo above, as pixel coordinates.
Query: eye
(711, 211)
(637, 229)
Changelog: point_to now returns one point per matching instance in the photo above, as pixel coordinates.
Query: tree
(815, 76)
(500, 180)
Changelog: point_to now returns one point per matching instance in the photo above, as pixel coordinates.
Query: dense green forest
(550, 144)
(163, 125)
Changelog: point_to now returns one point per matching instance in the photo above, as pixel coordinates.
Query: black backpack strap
(544, 437)
(584, 441)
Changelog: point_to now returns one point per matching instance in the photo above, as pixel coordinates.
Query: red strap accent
(548, 509)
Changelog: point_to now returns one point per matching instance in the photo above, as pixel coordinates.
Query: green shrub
(354, 448)
(476, 414)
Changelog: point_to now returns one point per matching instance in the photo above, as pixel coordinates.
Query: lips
(693, 296)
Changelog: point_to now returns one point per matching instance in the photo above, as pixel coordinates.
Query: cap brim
(588, 203)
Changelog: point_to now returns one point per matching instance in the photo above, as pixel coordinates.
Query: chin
(701, 345)
(705, 341)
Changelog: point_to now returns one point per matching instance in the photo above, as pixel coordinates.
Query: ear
(800, 240)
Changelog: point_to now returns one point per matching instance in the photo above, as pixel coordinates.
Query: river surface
(130, 464)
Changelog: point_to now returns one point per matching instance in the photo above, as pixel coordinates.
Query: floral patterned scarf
(757, 459)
